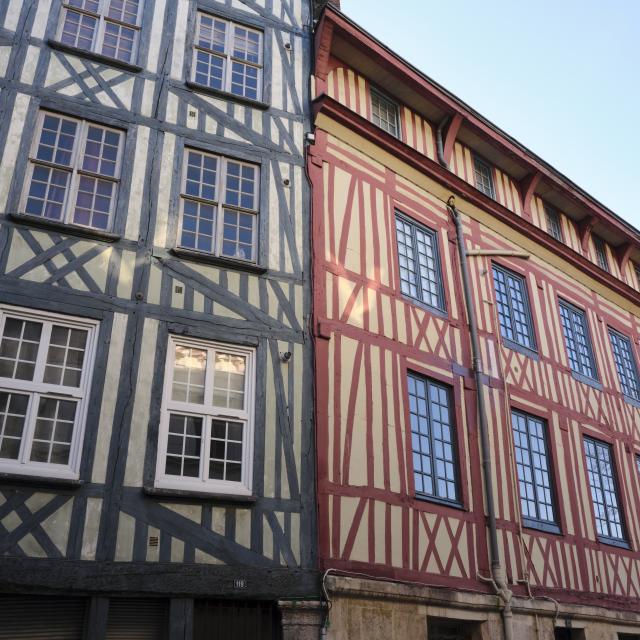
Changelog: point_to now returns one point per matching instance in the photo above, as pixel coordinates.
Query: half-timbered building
(497, 328)
(156, 449)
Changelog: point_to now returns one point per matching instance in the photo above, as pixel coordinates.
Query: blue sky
(562, 77)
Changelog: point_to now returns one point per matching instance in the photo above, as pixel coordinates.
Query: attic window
(554, 228)
(483, 178)
(601, 252)
(384, 113)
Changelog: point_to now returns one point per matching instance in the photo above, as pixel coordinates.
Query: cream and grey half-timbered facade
(156, 448)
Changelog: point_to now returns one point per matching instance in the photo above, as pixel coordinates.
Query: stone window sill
(226, 95)
(199, 495)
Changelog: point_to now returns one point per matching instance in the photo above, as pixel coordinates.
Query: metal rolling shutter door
(41, 618)
(138, 619)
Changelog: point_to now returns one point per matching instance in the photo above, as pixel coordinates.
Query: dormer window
(483, 177)
(384, 113)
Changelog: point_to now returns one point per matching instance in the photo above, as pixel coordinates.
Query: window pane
(118, 41)
(225, 451)
(65, 356)
(434, 463)
(200, 180)
(101, 151)
(603, 489)
(54, 431)
(184, 442)
(19, 348)
(228, 380)
(240, 187)
(47, 192)
(212, 33)
(238, 235)
(246, 44)
(124, 10)
(244, 80)
(532, 465)
(384, 113)
(57, 138)
(189, 375)
(601, 252)
(198, 225)
(78, 30)
(93, 202)
(13, 411)
(625, 364)
(513, 307)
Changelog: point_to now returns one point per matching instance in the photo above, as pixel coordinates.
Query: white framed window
(219, 206)
(206, 427)
(384, 113)
(228, 56)
(108, 27)
(74, 171)
(46, 365)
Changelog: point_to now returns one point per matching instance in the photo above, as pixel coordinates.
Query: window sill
(613, 542)
(95, 57)
(525, 351)
(69, 229)
(47, 481)
(207, 258)
(538, 525)
(423, 497)
(226, 95)
(201, 495)
(586, 380)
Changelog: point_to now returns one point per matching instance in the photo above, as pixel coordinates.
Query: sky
(562, 77)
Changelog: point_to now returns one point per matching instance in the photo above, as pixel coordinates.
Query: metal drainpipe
(439, 143)
(497, 572)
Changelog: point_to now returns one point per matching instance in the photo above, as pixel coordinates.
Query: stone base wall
(380, 610)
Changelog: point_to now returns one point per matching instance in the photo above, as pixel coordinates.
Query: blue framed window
(514, 311)
(419, 262)
(534, 473)
(483, 177)
(554, 228)
(577, 340)
(625, 364)
(435, 466)
(601, 252)
(604, 491)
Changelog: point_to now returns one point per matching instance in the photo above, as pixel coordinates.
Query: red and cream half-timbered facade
(405, 542)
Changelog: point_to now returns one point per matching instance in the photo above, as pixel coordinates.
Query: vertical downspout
(497, 572)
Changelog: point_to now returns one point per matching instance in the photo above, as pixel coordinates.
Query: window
(206, 430)
(638, 462)
(577, 340)
(601, 252)
(604, 492)
(219, 206)
(532, 462)
(483, 177)
(384, 113)
(228, 57)
(108, 27)
(46, 362)
(625, 364)
(432, 439)
(554, 227)
(420, 275)
(636, 270)
(514, 314)
(74, 171)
